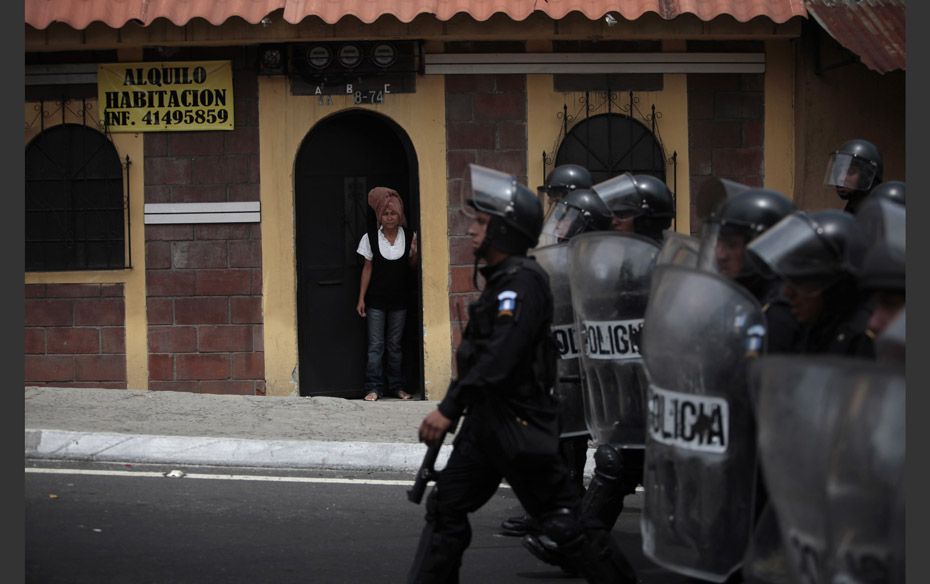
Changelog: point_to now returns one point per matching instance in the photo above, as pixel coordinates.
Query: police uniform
(506, 361)
(839, 333)
(506, 365)
(782, 328)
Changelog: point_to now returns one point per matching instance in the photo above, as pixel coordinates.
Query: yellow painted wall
(284, 121)
(133, 279)
(544, 122)
(779, 117)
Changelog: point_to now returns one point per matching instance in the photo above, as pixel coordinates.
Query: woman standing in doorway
(382, 292)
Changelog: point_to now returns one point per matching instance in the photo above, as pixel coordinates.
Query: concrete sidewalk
(116, 425)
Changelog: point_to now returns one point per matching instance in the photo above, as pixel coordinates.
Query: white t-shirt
(390, 252)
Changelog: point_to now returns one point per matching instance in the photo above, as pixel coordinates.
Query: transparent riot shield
(554, 259)
(866, 471)
(890, 345)
(701, 333)
(609, 276)
(883, 220)
(832, 443)
(679, 249)
(713, 193)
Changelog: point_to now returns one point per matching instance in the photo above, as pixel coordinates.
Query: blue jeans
(381, 341)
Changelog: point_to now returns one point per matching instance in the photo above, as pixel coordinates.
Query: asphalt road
(259, 526)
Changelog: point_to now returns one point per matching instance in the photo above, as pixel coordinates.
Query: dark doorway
(340, 160)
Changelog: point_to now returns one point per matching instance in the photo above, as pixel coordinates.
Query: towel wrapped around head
(380, 198)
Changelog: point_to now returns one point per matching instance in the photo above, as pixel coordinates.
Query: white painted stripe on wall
(580, 63)
(236, 207)
(186, 213)
(583, 58)
(158, 218)
(583, 68)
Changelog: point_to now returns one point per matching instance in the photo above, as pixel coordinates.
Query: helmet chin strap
(479, 253)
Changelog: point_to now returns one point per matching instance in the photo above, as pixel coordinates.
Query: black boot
(548, 551)
(519, 526)
(596, 556)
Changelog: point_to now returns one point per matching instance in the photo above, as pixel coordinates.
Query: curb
(212, 451)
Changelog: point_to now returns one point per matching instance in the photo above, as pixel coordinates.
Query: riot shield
(832, 442)
(883, 220)
(713, 193)
(679, 249)
(701, 333)
(554, 259)
(890, 345)
(609, 276)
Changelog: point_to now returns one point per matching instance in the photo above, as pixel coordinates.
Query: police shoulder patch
(506, 302)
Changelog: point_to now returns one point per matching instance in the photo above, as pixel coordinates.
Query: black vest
(387, 289)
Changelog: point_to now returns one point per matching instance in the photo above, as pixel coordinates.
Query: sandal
(401, 394)
(371, 396)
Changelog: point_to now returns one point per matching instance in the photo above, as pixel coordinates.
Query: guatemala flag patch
(506, 302)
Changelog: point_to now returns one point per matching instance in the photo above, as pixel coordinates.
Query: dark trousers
(385, 333)
(469, 479)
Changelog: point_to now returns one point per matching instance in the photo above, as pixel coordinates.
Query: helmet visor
(555, 193)
(486, 190)
(620, 195)
(792, 249)
(849, 172)
(562, 222)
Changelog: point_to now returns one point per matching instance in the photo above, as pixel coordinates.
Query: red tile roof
(78, 14)
(875, 30)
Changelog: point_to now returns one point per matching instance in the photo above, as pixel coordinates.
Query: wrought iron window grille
(77, 192)
(604, 165)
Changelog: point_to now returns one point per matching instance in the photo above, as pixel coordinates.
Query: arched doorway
(339, 161)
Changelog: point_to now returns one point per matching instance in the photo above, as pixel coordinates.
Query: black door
(340, 160)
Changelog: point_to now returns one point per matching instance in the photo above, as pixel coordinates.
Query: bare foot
(371, 396)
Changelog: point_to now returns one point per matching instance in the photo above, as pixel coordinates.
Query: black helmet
(893, 190)
(566, 178)
(637, 194)
(657, 198)
(821, 246)
(883, 219)
(515, 210)
(753, 211)
(856, 167)
(580, 211)
(883, 268)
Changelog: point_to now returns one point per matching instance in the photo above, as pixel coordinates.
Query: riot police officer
(640, 203)
(644, 206)
(853, 170)
(818, 255)
(564, 179)
(738, 220)
(831, 451)
(505, 375)
(580, 211)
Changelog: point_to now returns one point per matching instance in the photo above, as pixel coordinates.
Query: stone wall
(485, 125)
(75, 335)
(726, 122)
(204, 281)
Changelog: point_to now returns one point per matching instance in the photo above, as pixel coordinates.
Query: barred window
(611, 144)
(75, 211)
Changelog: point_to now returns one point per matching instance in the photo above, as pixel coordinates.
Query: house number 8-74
(370, 96)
